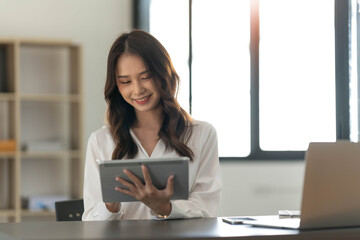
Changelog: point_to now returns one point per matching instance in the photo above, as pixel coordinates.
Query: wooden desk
(208, 228)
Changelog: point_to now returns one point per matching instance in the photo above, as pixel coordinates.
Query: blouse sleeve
(204, 197)
(94, 207)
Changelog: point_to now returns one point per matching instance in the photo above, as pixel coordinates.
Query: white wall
(260, 187)
(249, 188)
(93, 23)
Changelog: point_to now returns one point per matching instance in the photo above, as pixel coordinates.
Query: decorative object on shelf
(42, 202)
(7, 145)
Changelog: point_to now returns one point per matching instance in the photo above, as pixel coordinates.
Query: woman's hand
(155, 199)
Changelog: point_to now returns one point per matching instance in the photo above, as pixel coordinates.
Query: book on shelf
(7, 145)
(42, 202)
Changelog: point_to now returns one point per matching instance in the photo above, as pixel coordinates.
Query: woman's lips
(142, 100)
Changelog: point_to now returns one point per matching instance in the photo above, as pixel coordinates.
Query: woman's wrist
(164, 212)
(113, 207)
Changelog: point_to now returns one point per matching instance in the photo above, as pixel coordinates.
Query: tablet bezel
(160, 169)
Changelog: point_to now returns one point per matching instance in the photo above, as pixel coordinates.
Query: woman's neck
(149, 120)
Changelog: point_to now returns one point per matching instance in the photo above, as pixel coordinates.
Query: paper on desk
(289, 213)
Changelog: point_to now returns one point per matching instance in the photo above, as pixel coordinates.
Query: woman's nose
(138, 88)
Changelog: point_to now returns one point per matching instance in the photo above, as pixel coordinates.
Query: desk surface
(207, 228)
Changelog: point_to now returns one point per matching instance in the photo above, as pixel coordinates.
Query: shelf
(41, 108)
(50, 97)
(49, 43)
(41, 97)
(40, 42)
(7, 212)
(7, 41)
(7, 96)
(51, 154)
(7, 154)
(43, 213)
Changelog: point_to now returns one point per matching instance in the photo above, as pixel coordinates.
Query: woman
(144, 120)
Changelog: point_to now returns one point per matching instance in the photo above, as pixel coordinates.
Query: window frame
(342, 38)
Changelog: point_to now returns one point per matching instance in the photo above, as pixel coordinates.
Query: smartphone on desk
(236, 220)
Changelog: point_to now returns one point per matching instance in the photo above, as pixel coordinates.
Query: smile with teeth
(142, 100)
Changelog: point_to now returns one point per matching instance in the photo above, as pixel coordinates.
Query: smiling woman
(145, 120)
(136, 85)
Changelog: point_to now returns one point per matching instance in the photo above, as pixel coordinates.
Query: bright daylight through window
(296, 66)
(297, 73)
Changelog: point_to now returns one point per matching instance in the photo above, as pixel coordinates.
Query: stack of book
(7, 145)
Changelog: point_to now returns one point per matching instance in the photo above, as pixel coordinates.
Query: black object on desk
(69, 210)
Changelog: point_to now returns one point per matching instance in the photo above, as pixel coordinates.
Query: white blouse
(205, 180)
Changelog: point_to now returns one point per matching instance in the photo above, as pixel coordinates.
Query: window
(297, 87)
(221, 71)
(270, 75)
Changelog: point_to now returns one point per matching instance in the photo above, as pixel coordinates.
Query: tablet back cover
(159, 168)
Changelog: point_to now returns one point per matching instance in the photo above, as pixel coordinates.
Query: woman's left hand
(155, 199)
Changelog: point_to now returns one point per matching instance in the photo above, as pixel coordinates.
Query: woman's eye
(145, 78)
(125, 82)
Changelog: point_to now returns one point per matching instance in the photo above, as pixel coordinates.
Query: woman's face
(135, 83)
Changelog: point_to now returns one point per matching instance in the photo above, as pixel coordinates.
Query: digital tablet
(160, 170)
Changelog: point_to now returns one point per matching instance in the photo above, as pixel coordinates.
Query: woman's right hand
(157, 200)
(113, 207)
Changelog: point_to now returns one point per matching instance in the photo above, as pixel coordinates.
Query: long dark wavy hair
(176, 128)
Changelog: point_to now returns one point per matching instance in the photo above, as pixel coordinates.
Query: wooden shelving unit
(41, 108)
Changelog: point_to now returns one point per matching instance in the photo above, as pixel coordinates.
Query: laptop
(331, 190)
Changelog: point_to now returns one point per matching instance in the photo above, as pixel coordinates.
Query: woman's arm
(94, 207)
(204, 198)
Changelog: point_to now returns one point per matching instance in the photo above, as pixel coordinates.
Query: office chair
(69, 210)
